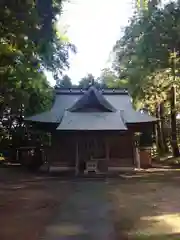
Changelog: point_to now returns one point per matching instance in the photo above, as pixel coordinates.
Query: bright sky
(93, 26)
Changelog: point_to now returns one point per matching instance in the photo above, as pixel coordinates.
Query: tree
(65, 82)
(29, 44)
(144, 5)
(145, 55)
(40, 96)
(109, 79)
(175, 147)
(86, 81)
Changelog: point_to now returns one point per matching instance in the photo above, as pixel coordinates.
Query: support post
(77, 158)
(17, 155)
(137, 156)
(136, 150)
(107, 153)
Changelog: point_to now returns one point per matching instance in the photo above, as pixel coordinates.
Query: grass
(146, 206)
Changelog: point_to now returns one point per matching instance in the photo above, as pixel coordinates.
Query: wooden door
(92, 147)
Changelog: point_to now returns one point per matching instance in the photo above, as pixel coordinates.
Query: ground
(27, 203)
(134, 206)
(146, 206)
(85, 216)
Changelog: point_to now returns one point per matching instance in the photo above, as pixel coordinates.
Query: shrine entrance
(103, 152)
(92, 154)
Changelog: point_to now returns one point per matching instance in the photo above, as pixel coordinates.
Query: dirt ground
(85, 214)
(27, 203)
(147, 206)
(143, 205)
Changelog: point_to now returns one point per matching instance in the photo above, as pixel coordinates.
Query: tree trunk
(163, 128)
(160, 142)
(174, 143)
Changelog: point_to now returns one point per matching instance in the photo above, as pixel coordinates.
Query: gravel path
(84, 216)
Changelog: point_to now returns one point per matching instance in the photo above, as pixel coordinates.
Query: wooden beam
(77, 158)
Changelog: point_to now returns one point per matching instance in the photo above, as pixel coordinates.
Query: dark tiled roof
(116, 101)
(92, 121)
(46, 117)
(90, 96)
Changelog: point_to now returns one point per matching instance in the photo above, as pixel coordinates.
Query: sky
(93, 26)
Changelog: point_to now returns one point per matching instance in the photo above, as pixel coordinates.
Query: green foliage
(29, 44)
(40, 97)
(87, 81)
(65, 82)
(148, 56)
(148, 53)
(109, 79)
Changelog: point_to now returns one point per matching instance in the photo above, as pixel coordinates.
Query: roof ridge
(114, 91)
(80, 103)
(122, 116)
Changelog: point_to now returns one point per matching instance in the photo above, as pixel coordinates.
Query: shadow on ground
(27, 203)
(146, 205)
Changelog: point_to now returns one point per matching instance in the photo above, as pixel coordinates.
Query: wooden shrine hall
(93, 130)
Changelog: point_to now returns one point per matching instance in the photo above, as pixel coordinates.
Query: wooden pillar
(107, 152)
(136, 152)
(137, 158)
(77, 158)
(17, 155)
